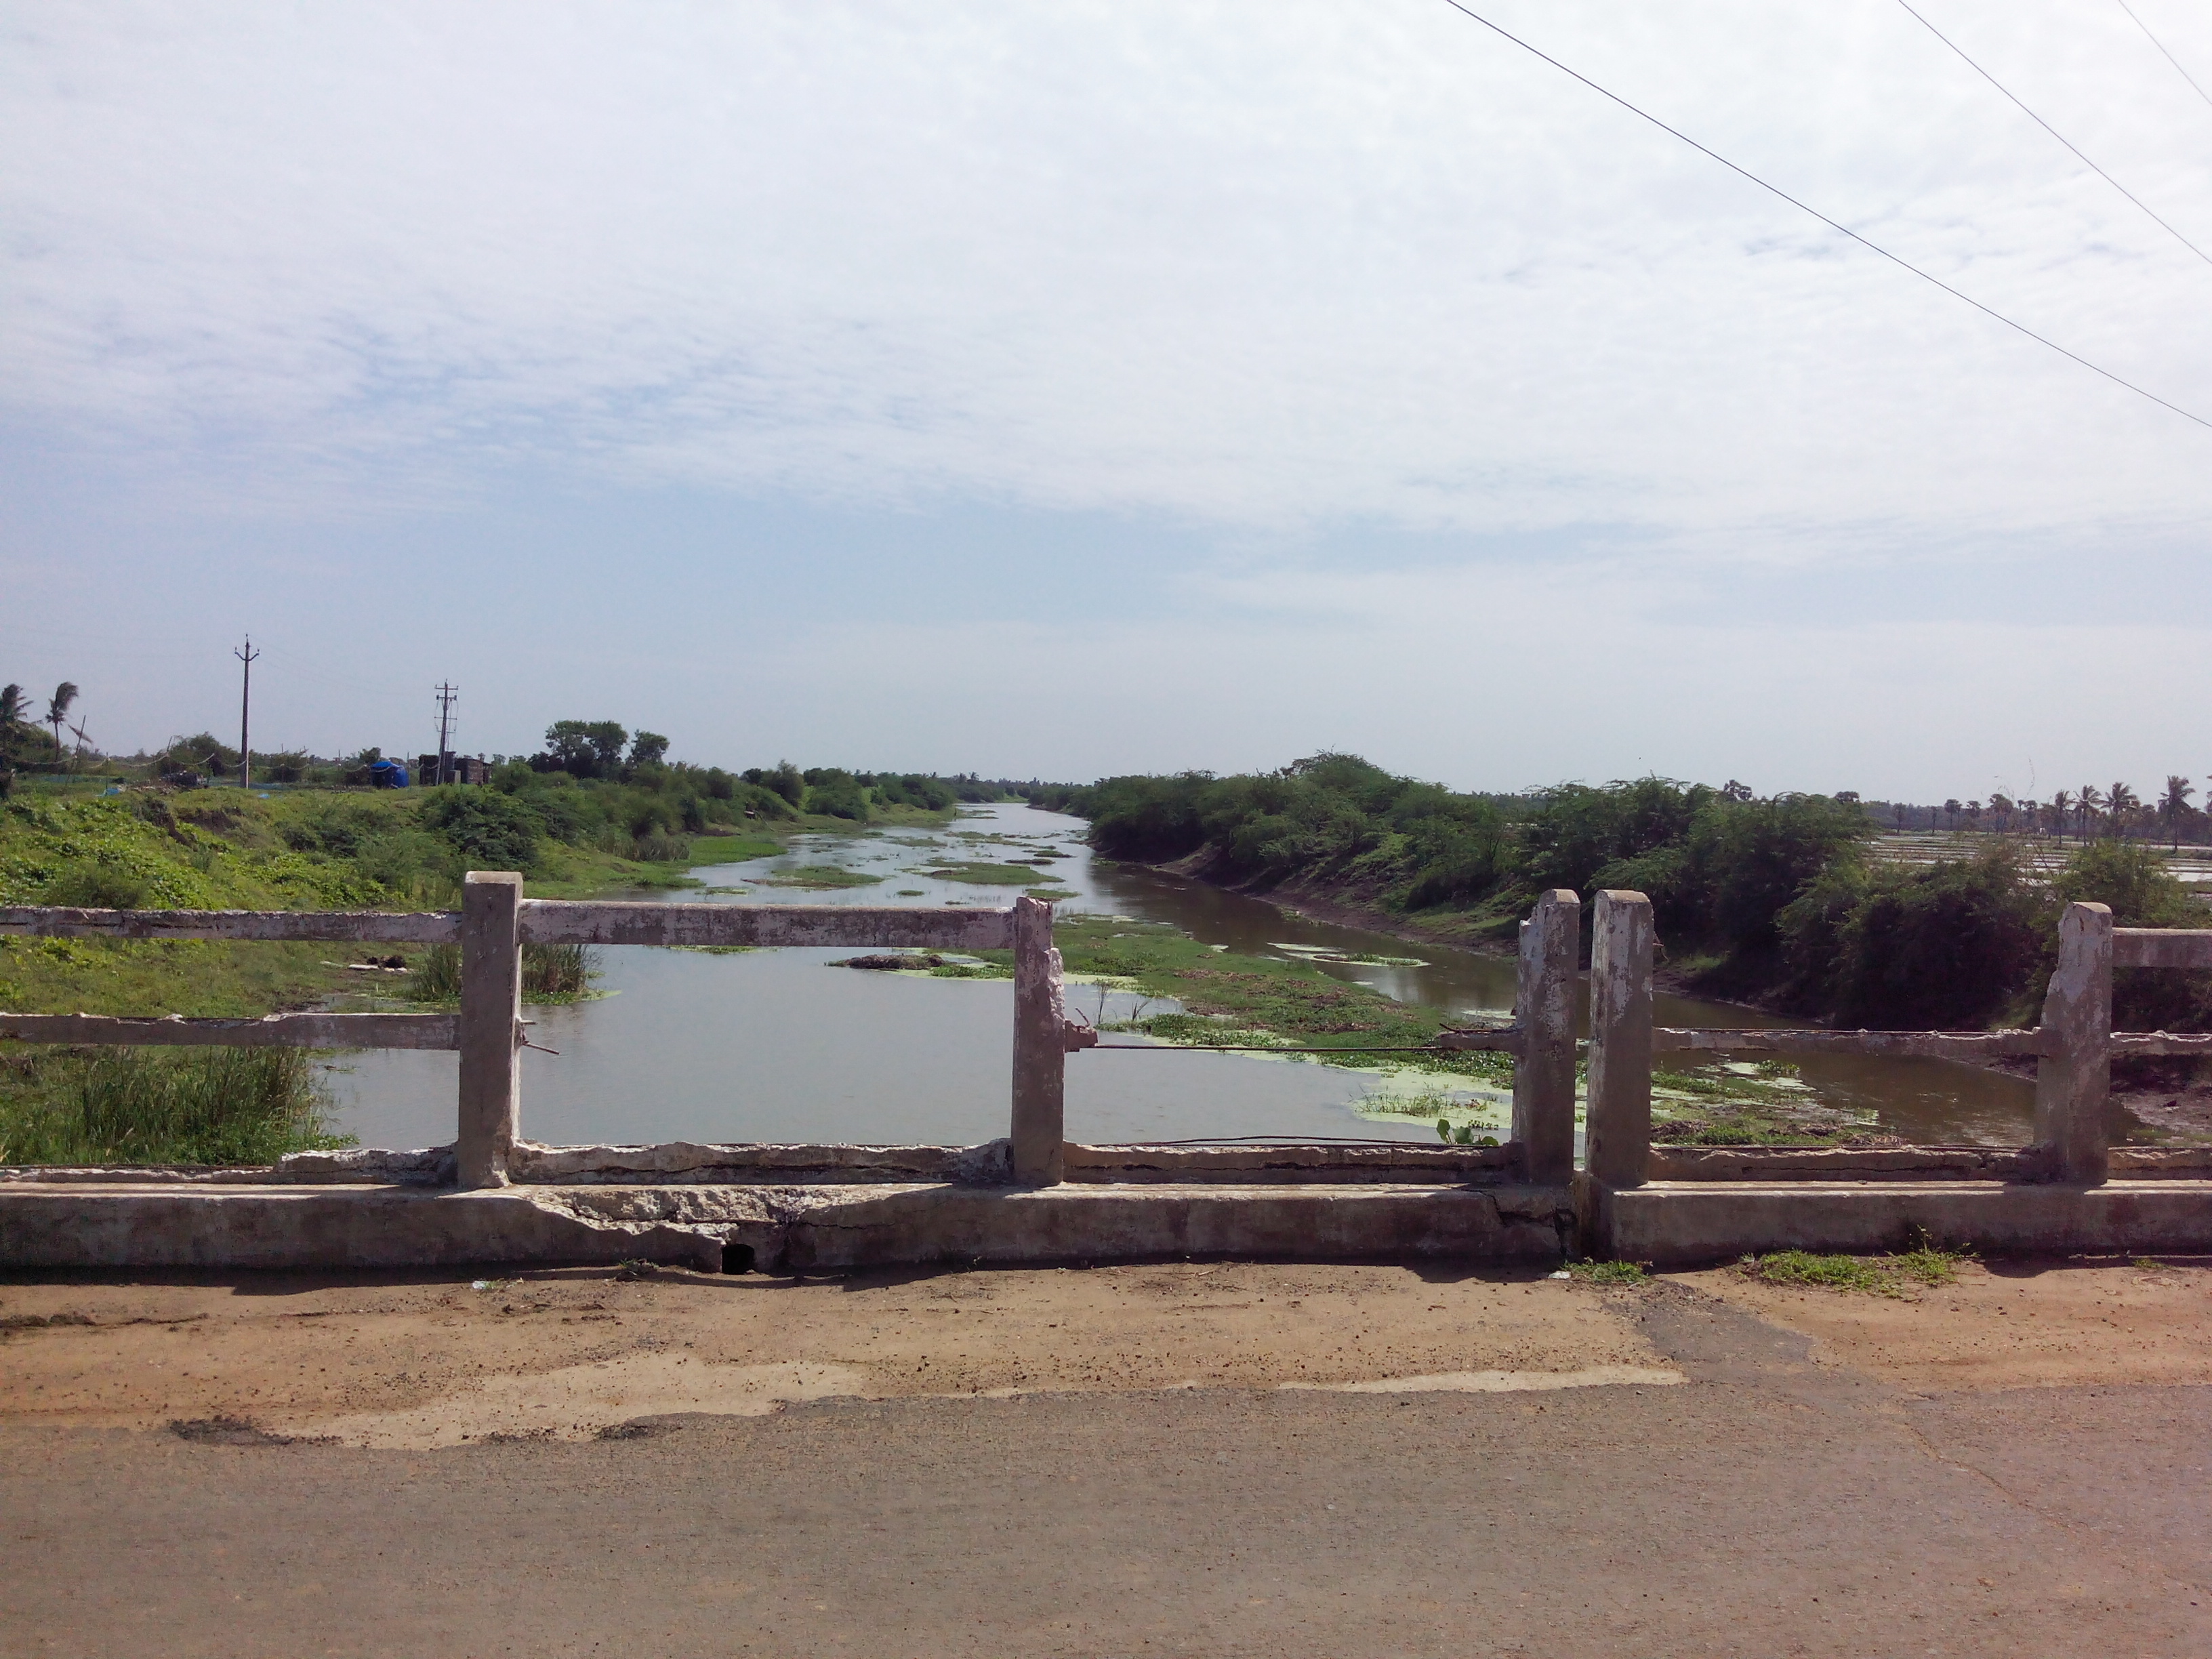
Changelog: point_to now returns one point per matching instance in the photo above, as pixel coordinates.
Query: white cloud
(1268, 267)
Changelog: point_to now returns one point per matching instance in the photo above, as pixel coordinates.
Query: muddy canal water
(780, 1045)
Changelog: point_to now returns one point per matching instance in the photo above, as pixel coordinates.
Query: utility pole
(445, 695)
(245, 710)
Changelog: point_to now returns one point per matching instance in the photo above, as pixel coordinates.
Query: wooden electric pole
(245, 710)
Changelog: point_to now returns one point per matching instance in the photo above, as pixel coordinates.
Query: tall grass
(551, 973)
(194, 1106)
(558, 973)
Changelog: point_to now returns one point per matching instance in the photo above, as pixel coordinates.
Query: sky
(1065, 391)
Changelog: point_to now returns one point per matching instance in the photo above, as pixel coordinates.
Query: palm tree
(2121, 805)
(2089, 800)
(2001, 809)
(58, 709)
(2061, 804)
(2026, 808)
(1952, 810)
(2174, 804)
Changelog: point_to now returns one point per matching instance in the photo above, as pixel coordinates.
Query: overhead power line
(2055, 133)
(1804, 207)
(2161, 45)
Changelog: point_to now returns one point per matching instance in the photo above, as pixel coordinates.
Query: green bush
(96, 887)
(835, 793)
(1947, 946)
(489, 830)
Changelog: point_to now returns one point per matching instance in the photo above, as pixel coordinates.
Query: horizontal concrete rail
(557, 921)
(382, 927)
(1294, 1160)
(1683, 1224)
(2162, 1042)
(2161, 947)
(1848, 1162)
(1968, 1046)
(759, 1163)
(271, 1031)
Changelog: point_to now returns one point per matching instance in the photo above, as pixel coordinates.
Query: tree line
(2088, 812)
(1776, 898)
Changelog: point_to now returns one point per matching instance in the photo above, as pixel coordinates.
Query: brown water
(775, 1045)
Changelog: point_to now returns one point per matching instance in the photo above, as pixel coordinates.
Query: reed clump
(198, 1106)
(551, 973)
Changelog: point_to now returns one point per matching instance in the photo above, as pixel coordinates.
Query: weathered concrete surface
(990, 1164)
(1127, 1223)
(491, 1031)
(53, 921)
(2161, 947)
(1682, 1224)
(1833, 1163)
(562, 921)
(1039, 1070)
(1617, 1129)
(2073, 1079)
(84, 1225)
(1544, 1006)
(1400, 1163)
(84, 1222)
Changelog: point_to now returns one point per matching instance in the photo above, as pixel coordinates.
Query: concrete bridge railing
(820, 1206)
(2074, 1047)
(2074, 1044)
(496, 921)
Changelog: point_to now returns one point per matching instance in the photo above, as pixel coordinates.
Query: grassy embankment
(299, 849)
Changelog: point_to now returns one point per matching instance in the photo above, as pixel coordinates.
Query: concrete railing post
(2071, 1083)
(490, 1026)
(1618, 1140)
(1039, 1049)
(1544, 1008)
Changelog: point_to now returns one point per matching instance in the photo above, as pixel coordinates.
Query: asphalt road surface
(1777, 1501)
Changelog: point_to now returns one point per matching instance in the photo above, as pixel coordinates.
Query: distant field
(2192, 864)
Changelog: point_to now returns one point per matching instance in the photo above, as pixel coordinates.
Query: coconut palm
(58, 709)
(2172, 804)
(2120, 806)
(2061, 804)
(2027, 809)
(2088, 802)
(2001, 809)
(1951, 810)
